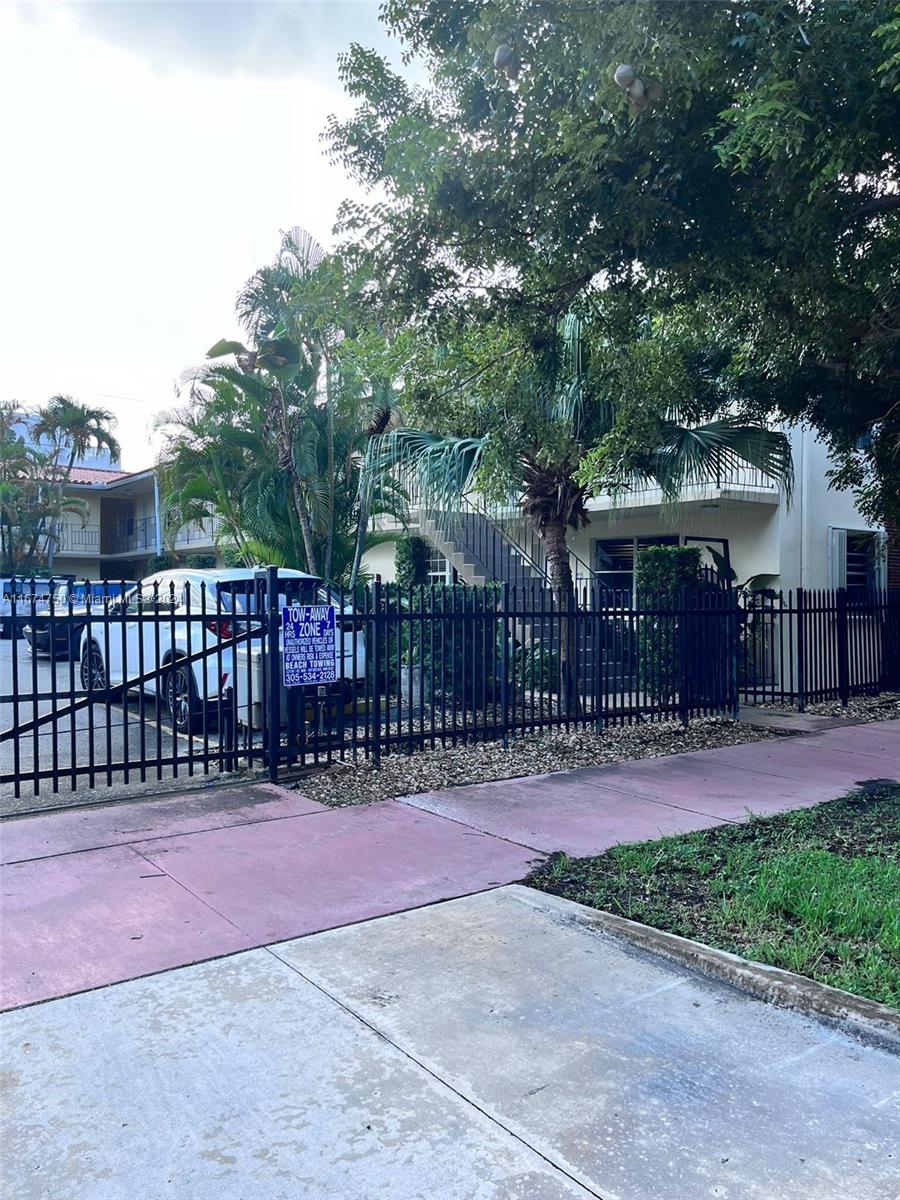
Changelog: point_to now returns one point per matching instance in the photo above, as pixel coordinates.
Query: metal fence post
(891, 639)
(801, 649)
(504, 679)
(680, 616)
(843, 646)
(734, 643)
(376, 670)
(273, 621)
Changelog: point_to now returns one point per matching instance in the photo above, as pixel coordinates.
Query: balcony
(135, 536)
(744, 485)
(70, 537)
(198, 533)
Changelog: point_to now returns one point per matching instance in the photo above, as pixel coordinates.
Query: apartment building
(122, 530)
(817, 539)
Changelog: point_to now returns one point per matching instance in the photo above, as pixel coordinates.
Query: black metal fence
(808, 646)
(182, 675)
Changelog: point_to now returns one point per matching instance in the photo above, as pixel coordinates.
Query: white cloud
(261, 37)
(135, 202)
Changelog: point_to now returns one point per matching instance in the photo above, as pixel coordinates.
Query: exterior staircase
(483, 552)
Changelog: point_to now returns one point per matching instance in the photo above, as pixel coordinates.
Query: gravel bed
(533, 754)
(883, 707)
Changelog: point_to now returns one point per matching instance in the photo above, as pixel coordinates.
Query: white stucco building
(817, 540)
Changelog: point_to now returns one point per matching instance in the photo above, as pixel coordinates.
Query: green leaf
(224, 346)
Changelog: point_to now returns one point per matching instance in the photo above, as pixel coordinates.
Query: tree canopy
(731, 217)
(272, 433)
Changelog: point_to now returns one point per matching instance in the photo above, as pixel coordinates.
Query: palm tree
(306, 325)
(72, 429)
(288, 360)
(543, 442)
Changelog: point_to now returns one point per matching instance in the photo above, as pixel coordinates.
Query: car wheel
(93, 668)
(181, 697)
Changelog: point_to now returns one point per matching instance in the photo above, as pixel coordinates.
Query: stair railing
(508, 547)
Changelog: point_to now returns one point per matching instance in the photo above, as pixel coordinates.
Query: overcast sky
(152, 152)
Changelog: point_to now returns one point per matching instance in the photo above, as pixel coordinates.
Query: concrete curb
(866, 1019)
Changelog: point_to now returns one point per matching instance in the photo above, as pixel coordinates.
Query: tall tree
(735, 161)
(70, 429)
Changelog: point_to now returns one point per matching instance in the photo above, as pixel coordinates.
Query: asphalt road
(134, 730)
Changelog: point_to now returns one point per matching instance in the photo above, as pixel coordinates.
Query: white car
(173, 654)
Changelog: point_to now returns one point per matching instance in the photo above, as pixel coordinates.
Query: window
(856, 559)
(860, 560)
(614, 558)
(438, 567)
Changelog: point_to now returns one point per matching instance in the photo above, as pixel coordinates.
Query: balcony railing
(202, 533)
(70, 537)
(734, 478)
(135, 535)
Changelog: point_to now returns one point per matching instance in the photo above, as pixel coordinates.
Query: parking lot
(134, 730)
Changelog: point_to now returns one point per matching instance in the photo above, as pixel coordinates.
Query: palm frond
(437, 470)
(300, 252)
(717, 450)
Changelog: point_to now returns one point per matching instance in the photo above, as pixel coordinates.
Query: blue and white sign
(309, 647)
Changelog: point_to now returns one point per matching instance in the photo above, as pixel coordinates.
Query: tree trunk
(286, 463)
(361, 526)
(553, 536)
(309, 544)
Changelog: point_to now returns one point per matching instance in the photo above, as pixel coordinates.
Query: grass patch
(816, 891)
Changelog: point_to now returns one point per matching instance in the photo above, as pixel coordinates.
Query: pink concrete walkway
(588, 810)
(106, 894)
(99, 895)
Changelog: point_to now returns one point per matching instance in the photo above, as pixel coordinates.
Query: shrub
(200, 562)
(661, 573)
(534, 667)
(463, 657)
(411, 562)
(160, 562)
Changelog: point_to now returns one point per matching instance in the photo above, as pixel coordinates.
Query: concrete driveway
(487, 1048)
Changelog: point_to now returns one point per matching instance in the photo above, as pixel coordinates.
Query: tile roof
(96, 475)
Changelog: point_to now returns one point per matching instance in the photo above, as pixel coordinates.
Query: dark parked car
(60, 637)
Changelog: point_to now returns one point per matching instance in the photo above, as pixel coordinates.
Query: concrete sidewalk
(100, 895)
(586, 811)
(490, 1048)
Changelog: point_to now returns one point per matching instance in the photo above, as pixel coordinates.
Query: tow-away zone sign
(309, 650)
